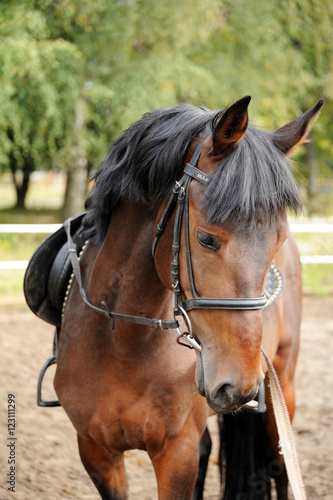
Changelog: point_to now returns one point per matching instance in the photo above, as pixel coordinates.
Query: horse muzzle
(226, 396)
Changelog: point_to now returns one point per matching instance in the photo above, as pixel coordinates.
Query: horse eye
(207, 240)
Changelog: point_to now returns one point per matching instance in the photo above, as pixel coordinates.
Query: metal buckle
(157, 323)
(108, 314)
(186, 338)
(178, 187)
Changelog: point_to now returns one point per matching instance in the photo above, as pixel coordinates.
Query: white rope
(287, 442)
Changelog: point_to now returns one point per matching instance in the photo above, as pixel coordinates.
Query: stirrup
(46, 402)
(51, 361)
(258, 404)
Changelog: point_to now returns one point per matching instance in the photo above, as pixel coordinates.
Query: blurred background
(75, 73)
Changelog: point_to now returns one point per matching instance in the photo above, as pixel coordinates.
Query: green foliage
(119, 59)
(37, 99)
(40, 81)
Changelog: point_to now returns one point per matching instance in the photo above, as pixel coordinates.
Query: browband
(196, 173)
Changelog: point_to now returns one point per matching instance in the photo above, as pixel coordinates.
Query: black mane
(148, 158)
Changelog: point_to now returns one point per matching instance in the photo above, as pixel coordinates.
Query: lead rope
(287, 442)
(286, 436)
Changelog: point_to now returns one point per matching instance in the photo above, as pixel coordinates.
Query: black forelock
(252, 180)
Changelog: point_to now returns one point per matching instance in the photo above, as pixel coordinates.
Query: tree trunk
(311, 161)
(21, 187)
(77, 174)
(76, 188)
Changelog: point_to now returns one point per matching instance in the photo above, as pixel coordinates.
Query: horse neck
(124, 273)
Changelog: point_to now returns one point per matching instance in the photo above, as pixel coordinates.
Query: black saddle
(49, 271)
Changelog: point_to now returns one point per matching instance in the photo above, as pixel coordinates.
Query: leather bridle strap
(111, 315)
(182, 215)
(196, 302)
(239, 304)
(178, 191)
(165, 216)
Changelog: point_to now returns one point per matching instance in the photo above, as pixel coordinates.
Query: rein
(152, 322)
(283, 424)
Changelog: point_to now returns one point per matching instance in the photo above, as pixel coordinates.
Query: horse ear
(230, 126)
(287, 138)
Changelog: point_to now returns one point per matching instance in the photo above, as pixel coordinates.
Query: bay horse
(210, 193)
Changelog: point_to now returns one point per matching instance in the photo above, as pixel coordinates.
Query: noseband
(180, 198)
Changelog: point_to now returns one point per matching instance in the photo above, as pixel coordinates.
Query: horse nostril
(223, 394)
(226, 397)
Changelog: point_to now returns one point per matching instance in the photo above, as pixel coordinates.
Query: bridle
(179, 197)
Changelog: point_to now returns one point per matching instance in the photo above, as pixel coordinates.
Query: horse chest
(125, 421)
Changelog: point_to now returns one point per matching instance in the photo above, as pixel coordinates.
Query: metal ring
(178, 187)
(187, 320)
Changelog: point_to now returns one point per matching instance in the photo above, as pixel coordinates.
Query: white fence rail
(51, 228)
(8, 265)
(311, 228)
(29, 228)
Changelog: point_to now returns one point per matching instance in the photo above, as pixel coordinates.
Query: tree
(143, 70)
(280, 52)
(309, 27)
(87, 70)
(39, 85)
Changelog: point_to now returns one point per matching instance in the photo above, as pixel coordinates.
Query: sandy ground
(48, 464)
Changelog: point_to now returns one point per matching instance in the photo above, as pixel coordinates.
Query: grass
(11, 287)
(30, 216)
(314, 243)
(317, 278)
(19, 246)
(15, 247)
(44, 203)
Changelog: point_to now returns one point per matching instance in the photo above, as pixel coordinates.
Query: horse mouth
(224, 398)
(229, 406)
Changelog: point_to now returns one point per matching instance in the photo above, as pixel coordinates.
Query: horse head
(236, 224)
